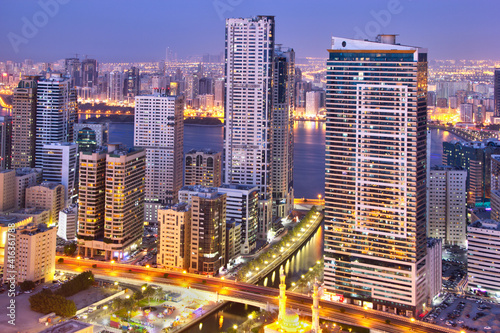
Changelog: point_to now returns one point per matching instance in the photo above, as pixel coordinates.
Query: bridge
(469, 134)
(263, 297)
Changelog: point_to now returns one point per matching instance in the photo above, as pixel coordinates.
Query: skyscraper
(132, 84)
(111, 210)
(375, 225)
(57, 112)
(115, 86)
(89, 73)
(73, 69)
(24, 123)
(159, 129)
(90, 136)
(248, 108)
(282, 131)
(203, 167)
(496, 92)
(5, 142)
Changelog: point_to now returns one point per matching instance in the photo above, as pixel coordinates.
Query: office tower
(447, 218)
(73, 69)
(466, 114)
(431, 98)
(206, 102)
(208, 228)
(248, 108)
(206, 86)
(282, 131)
(111, 201)
(495, 187)
(49, 196)
(68, 219)
(313, 100)
(115, 86)
(5, 142)
(453, 102)
(35, 255)
(375, 200)
(90, 136)
(24, 108)
(132, 84)
(242, 205)
(7, 189)
(89, 73)
(25, 177)
(301, 89)
(203, 167)
(174, 236)
(159, 129)
(59, 165)
(57, 112)
(9, 222)
(159, 82)
(483, 262)
(233, 240)
(434, 268)
(475, 157)
(192, 85)
(219, 93)
(496, 91)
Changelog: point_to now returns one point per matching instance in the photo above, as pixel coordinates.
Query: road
(352, 315)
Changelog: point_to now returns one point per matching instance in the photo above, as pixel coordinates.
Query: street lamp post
(112, 262)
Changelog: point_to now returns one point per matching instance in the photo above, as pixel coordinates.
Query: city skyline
(198, 27)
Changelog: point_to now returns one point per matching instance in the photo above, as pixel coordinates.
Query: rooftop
(69, 326)
(27, 171)
(486, 224)
(5, 220)
(178, 207)
(238, 187)
(431, 242)
(205, 151)
(446, 167)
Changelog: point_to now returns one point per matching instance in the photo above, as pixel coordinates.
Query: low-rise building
(7, 190)
(68, 219)
(8, 222)
(483, 256)
(34, 257)
(39, 215)
(233, 240)
(49, 196)
(70, 326)
(26, 177)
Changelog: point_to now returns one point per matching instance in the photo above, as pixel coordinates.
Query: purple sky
(124, 30)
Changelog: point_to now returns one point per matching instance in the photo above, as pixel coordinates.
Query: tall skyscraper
(57, 112)
(24, 123)
(115, 86)
(5, 142)
(159, 129)
(282, 131)
(111, 202)
(496, 92)
(132, 84)
(375, 225)
(90, 136)
(248, 108)
(73, 69)
(203, 167)
(89, 73)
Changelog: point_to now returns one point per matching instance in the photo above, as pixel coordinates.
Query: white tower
(282, 297)
(315, 308)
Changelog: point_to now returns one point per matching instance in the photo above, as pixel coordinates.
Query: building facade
(447, 202)
(159, 129)
(7, 189)
(174, 237)
(26, 177)
(68, 220)
(90, 136)
(5, 142)
(375, 200)
(49, 196)
(248, 108)
(203, 167)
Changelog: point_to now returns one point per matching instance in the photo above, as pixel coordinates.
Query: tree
(46, 302)
(27, 285)
(69, 249)
(117, 303)
(60, 260)
(159, 294)
(138, 295)
(149, 292)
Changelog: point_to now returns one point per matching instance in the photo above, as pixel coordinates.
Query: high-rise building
(375, 200)
(26, 177)
(192, 86)
(89, 73)
(49, 196)
(57, 112)
(233, 240)
(115, 86)
(111, 202)
(159, 129)
(313, 103)
(466, 114)
(73, 69)
(174, 236)
(219, 93)
(483, 262)
(447, 218)
(24, 110)
(90, 136)
(59, 163)
(496, 92)
(206, 86)
(248, 108)
(7, 189)
(5, 142)
(242, 207)
(434, 275)
(9, 222)
(282, 131)
(35, 255)
(208, 228)
(132, 83)
(68, 219)
(203, 167)
(475, 157)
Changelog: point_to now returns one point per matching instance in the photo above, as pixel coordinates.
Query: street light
(147, 269)
(112, 262)
(78, 260)
(412, 320)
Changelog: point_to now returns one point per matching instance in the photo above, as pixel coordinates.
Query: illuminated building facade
(203, 167)
(375, 224)
(174, 236)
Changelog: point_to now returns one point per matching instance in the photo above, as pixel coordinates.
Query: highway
(352, 315)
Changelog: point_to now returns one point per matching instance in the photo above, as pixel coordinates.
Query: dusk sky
(120, 31)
